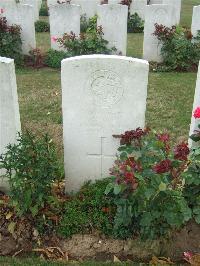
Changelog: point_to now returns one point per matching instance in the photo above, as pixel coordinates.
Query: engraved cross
(102, 155)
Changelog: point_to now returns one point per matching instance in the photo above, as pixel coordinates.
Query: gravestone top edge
(6, 60)
(98, 56)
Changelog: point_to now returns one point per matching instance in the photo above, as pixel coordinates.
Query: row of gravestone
(113, 19)
(89, 7)
(102, 96)
(65, 18)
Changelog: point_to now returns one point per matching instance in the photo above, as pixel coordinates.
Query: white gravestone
(102, 95)
(22, 15)
(195, 122)
(9, 109)
(63, 18)
(138, 6)
(113, 19)
(177, 6)
(156, 2)
(160, 14)
(195, 20)
(34, 4)
(88, 7)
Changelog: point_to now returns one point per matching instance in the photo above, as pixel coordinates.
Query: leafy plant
(10, 41)
(42, 26)
(44, 9)
(180, 50)
(88, 210)
(84, 23)
(31, 169)
(90, 43)
(135, 24)
(148, 184)
(53, 58)
(35, 58)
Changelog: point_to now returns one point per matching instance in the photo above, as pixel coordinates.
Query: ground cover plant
(10, 40)
(180, 50)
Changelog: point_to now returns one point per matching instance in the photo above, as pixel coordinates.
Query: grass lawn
(38, 262)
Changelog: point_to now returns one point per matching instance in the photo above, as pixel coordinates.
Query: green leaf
(34, 210)
(162, 186)
(117, 189)
(109, 187)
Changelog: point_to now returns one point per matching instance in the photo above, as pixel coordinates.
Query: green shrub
(42, 26)
(180, 51)
(44, 9)
(89, 210)
(88, 25)
(147, 186)
(135, 24)
(10, 41)
(53, 58)
(90, 43)
(84, 23)
(31, 168)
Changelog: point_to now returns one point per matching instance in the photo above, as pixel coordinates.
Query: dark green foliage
(84, 23)
(180, 51)
(147, 186)
(31, 168)
(44, 9)
(89, 210)
(90, 43)
(10, 41)
(135, 24)
(53, 58)
(88, 25)
(42, 26)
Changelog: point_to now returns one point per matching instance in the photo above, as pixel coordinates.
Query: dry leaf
(160, 261)
(11, 227)
(115, 259)
(9, 215)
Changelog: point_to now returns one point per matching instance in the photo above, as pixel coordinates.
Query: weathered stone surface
(34, 4)
(138, 6)
(88, 7)
(64, 18)
(113, 19)
(9, 108)
(161, 14)
(195, 20)
(177, 5)
(101, 95)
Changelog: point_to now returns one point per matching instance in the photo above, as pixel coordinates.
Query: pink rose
(54, 39)
(197, 113)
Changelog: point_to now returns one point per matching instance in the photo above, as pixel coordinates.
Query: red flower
(164, 137)
(181, 151)
(162, 167)
(128, 136)
(197, 113)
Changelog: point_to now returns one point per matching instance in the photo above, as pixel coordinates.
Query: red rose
(197, 113)
(181, 151)
(162, 167)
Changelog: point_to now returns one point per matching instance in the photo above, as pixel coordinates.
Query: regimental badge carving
(106, 88)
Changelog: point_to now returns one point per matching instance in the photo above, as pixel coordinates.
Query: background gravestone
(138, 6)
(195, 122)
(88, 7)
(34, 4)
(195, 20)
(113, 19)
(161, 14)
(63, 18)
(9, 109)
(102, 95)
(22, 15)
(177, 6)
